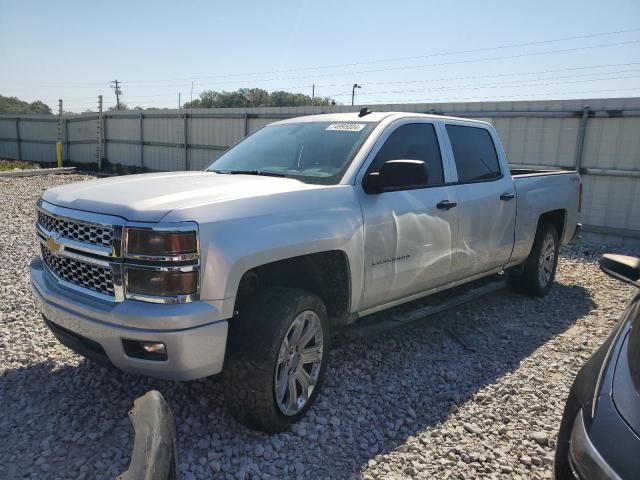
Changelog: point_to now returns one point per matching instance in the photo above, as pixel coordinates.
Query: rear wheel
(277, 357)
(538, 272)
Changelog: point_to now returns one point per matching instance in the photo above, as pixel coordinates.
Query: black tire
(255, 338)
(532, 278)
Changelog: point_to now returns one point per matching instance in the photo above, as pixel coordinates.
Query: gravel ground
(475, 392)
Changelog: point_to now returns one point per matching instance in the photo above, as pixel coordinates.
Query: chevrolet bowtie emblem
(52, 243)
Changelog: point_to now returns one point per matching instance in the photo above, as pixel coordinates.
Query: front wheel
(538, 272)
(277, 357)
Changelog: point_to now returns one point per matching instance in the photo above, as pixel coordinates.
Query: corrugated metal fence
(599, 137)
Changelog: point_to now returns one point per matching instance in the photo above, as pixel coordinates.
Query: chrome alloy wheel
(546, 260)
(299, 361)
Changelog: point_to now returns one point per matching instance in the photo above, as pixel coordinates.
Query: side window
(474, 152)
(414, 141)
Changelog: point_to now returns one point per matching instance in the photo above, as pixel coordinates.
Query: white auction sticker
(347, 127)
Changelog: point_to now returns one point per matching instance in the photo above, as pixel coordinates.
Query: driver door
(409, 236)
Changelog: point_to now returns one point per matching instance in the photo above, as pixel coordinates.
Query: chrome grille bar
(97, 278)
(87, 232)
(77, 231)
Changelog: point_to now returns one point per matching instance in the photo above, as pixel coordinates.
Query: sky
(399, 52)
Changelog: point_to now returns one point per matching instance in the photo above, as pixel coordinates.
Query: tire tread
(254, 341)
(525, 279)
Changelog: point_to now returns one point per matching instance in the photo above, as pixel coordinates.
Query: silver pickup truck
(301, 228)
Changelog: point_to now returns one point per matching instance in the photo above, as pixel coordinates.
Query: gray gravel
(476, 392)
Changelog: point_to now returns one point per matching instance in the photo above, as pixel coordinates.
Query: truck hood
(151, 196)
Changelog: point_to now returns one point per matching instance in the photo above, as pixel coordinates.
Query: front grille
(78, 231)
(82, 274)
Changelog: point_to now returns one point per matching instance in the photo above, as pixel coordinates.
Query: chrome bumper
(194, 334)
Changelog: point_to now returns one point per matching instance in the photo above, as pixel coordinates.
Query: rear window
(475, 154)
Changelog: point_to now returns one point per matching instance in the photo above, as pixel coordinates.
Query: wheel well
(326, 274)
(555, 218)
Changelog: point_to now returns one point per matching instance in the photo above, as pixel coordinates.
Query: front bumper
(585, 459)
(594, 440)
(194, 334)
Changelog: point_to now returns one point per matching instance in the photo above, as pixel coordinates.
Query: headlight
(145, 242)
(161, 283)
(162, 262)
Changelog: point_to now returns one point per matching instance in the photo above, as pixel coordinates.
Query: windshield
(313, 152)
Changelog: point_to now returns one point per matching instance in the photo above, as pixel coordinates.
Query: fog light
(154, 347)
(156, 351)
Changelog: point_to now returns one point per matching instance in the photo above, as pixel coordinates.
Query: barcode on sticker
(346, 127)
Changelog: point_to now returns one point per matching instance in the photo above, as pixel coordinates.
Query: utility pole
(313, 93)
(115, 84)
(99, 135)
(353, 92)
(178, 100)
(59, 143)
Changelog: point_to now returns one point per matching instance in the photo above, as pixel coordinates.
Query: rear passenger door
(486, 200)
(409, 239)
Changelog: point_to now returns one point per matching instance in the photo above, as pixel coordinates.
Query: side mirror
(621, 267)
(397, 175)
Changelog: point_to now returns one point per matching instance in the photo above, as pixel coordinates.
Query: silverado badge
(52, 243)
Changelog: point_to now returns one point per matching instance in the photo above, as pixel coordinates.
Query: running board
(363, 328)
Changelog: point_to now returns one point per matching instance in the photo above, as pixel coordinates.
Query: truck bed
(539, 191)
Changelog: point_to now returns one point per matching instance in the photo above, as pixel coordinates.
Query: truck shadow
(379, 392)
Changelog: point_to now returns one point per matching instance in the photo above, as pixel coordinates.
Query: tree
(40, 107)
(288, 99)
(14, 105)
(253, 97)
(123, 106)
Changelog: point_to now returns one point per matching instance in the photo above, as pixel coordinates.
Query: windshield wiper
(249, 172)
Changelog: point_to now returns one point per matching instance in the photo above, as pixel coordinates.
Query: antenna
(364, 111)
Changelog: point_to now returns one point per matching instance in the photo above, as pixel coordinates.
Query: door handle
(507, 196)
(446, 205)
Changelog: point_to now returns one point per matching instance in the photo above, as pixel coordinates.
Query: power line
(387, 60)
(430, 80)
(499, 75)
(402, 82)
(496, 75)
(148, 100)
(457, 62)
(421, 66)
(425, 65)
(139, 98)
(436, 90)
(541, 42)
(489, 99)
(483, 97)
(495, 85)
(505, 83)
